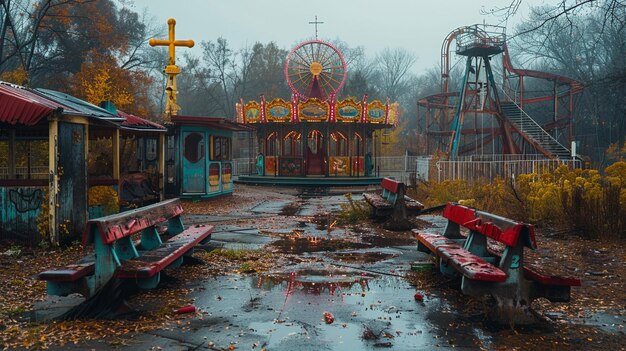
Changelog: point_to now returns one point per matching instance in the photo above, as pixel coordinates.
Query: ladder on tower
(530, 130)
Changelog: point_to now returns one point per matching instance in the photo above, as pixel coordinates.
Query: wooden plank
(463, 261)
(471, 266)
(533, 274)
(495, 227)
(391, 185)
(123, 224)
(68, 273)
(149, 263)
(377, 201)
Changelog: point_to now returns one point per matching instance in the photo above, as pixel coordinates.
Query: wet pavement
(357, 276)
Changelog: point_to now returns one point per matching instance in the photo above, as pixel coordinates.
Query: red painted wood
(471, 266)
(23, 182)
(432, 241)
(68, 273)
(149, 263)
(465, 262)
(120, 225)
(391, 185)
(508, 232)
(103, 181)
(459, 214)
(530, 273)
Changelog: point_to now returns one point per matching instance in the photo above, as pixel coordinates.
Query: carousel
(316, 139)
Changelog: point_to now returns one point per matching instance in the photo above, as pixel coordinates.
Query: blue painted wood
(149, 283)
(106, 261)
(194, 155)
(19, 208)
(150, 239)
(72, 214)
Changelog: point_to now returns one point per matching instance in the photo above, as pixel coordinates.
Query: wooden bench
(489, 268)
(392, 200)
(128, 245)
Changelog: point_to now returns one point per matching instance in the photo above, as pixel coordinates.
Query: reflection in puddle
(316, 281)
(362, 257)
(296, 244)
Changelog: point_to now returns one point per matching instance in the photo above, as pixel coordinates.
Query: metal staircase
(533, 133)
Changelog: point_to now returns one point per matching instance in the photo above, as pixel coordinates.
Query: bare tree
(393, 66)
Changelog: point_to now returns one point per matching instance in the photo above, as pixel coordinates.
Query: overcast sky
(419, 26)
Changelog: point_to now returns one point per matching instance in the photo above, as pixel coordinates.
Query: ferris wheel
(315, 69)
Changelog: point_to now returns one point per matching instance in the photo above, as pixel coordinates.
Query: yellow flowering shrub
(104, 196)
(588, 202)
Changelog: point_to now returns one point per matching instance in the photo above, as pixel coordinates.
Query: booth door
(194, 165)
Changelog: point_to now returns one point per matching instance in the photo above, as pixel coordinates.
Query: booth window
(221, 148)
(194, 147)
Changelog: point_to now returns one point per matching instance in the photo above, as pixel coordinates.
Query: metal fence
(471, 168)
(487, 168)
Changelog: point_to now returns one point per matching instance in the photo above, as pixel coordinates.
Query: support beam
(53, 191)
(162, 166)
(116, 154)
(12, 159)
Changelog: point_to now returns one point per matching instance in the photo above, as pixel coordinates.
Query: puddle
(316, 282)
(297, 245)
(362, 257)
(389, 239)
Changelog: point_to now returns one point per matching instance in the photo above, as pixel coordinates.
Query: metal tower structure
(484, 118)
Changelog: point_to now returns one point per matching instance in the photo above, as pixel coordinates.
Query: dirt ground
(593, 320)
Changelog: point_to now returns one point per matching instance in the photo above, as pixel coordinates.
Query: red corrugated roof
(19, 105)
(135, 121)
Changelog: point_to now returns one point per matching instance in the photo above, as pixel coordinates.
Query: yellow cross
(171, 108)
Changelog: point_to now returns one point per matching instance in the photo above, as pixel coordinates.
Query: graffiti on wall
(25, 199)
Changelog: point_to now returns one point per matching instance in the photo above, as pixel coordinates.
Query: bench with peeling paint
(490, 259)
(128, 245)
(392, 199)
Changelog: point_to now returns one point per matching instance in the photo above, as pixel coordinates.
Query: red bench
(118, 254)
(392, 199)
(485, 269)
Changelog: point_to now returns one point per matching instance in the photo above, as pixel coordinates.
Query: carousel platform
(309, 181)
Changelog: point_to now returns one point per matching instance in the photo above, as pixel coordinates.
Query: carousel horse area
(285, 270)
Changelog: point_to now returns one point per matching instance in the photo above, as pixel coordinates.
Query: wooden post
(116, 154)
(12, 159)
(53, 180)
(162, 166)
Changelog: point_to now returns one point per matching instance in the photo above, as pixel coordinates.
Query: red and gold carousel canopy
(316, 110)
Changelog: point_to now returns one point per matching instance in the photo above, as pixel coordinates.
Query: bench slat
(470, 265)
(68, 273)
(120, 225)
(530, 273)
(149, 263)
(465, 262)
(377, 201)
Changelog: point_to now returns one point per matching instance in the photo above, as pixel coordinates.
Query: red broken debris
(328, 317)
(419, 297)
(186, 309)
